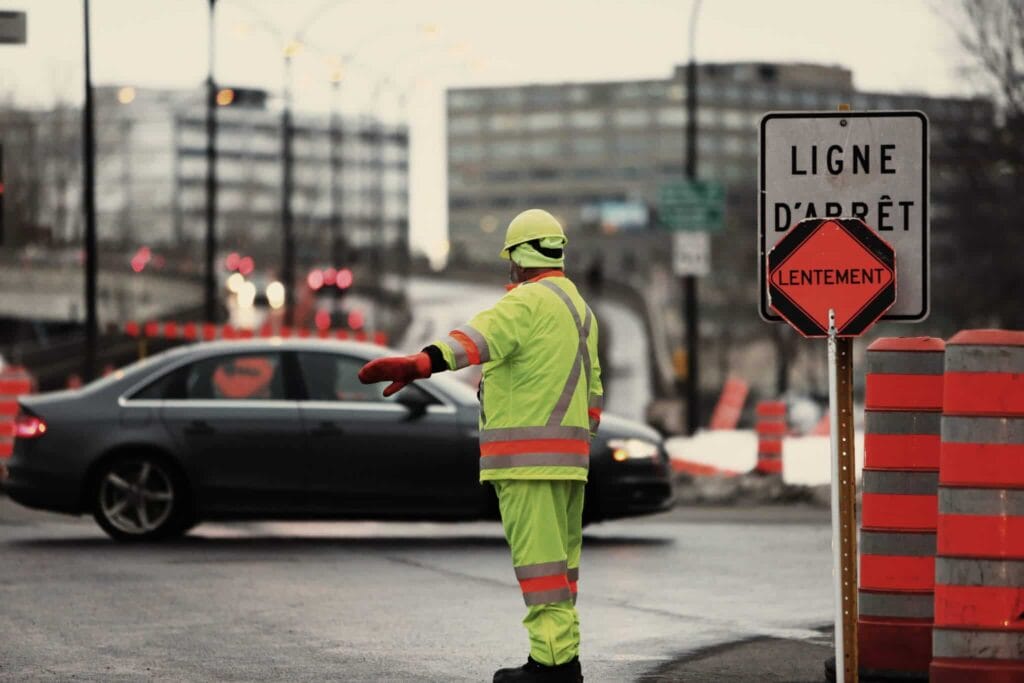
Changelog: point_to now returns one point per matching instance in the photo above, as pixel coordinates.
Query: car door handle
(199, 427)
(327, 429)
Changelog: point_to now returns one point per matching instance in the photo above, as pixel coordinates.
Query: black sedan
(282, 429)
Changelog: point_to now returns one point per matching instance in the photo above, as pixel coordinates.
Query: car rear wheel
(140, 498)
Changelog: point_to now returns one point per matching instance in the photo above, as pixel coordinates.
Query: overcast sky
(890, 45)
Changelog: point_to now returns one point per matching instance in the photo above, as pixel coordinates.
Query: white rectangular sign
(691, 253)
(868, 165)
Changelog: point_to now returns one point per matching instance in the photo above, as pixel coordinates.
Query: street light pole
(690, 311)
(89, 202)
(287, 182)
(210, 281)
(336, 128)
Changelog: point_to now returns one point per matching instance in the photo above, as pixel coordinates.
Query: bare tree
(977, 239)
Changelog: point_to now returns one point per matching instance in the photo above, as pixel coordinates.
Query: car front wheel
(140, 498)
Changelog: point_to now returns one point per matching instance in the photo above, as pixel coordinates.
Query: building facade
(597, 154)
(349, 175)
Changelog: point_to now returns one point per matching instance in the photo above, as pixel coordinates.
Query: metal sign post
(844, 496)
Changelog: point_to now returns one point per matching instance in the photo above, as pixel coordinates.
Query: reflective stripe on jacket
(540, 396)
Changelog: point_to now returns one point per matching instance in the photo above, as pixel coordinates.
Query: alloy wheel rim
(136, 496)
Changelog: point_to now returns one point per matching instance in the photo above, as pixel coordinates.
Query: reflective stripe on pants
(543, 522)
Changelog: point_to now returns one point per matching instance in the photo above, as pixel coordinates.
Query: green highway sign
(696, 205)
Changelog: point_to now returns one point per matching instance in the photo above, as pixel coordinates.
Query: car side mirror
(415, 402)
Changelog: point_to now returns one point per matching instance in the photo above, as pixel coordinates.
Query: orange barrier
(195, 331)
(14, 382)
(979, 571)
(730, 404)
(771, 428)
(898, 512)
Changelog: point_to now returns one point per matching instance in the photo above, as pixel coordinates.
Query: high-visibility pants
(543, 523)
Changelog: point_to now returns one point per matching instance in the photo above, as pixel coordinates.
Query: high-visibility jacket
(541, 393)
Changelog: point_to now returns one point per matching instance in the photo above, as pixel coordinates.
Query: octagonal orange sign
(831, 263)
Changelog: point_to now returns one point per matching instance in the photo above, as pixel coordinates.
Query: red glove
(400, 370)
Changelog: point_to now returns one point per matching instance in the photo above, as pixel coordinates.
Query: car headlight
(632, 449)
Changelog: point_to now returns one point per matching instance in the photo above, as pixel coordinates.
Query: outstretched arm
(491, 335)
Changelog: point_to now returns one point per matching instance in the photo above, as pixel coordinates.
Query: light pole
(690, 311)
(287, 186)
(89, 202)
(209, 276)
(336, 132)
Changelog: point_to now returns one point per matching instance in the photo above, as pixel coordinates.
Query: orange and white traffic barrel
(14, 382)
(979, 570)
(898, 512)
(771, 429)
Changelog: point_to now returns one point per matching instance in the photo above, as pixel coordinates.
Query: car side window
(169, 386)
(236, 377)
(335, 377)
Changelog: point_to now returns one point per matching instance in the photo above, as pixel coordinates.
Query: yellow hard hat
(532, 224)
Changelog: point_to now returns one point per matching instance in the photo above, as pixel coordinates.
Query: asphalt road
(392, 602)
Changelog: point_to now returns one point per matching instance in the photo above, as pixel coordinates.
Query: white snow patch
(805, 459)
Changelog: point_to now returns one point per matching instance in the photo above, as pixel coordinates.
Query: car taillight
(28, 426)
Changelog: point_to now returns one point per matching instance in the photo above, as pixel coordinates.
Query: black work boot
(569, 672)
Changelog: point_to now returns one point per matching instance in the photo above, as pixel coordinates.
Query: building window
(464, 124)
(633, 144)
(544, 120)
(708, 144)
(676, 92)
(672, 116)
(579, 95)
(546, 97)
(507, 97)
(464, 152)
(732, 144)
(588, 146)
(671, 144)
(506, 150)
(464, 100)
(706, 116)
(657, 90)
(503, 202)
(629, 91)
(504, 122)
(543, 173)
(588, 173)
(733, 119)
(632, 118)
(503, 176)
(732, 94)
(544, 149)
(587, 119)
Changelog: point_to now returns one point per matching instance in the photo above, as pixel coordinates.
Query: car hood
(615, 427)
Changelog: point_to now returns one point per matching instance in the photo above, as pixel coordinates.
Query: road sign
(834, 264)
(12, 28)
(697, 205)
(691, 253)
(867, 165)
